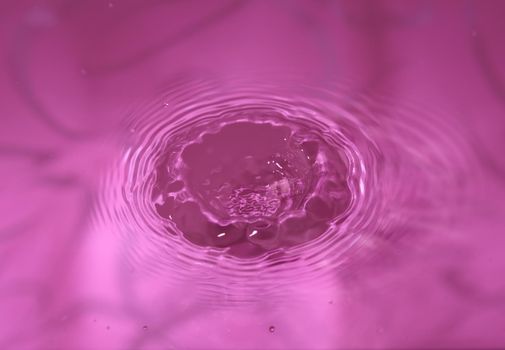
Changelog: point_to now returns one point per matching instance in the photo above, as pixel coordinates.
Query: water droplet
(145, 328)
(271, 329)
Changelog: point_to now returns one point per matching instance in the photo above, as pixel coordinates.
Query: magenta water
(251, 175)
(251, 183)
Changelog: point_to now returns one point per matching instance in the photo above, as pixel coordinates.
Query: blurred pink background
(70, 70)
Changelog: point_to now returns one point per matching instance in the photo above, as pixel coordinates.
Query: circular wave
(332, 179)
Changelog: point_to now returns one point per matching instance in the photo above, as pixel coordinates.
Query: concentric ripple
(255, 180)
(258, 186)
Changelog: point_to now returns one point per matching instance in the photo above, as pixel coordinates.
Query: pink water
(252, 187)
(252, 174)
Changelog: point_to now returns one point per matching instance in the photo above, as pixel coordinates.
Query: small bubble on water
(271, 329)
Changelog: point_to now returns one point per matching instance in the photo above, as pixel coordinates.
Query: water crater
(253, 185)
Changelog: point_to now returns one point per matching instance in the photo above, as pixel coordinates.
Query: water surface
(247, 174)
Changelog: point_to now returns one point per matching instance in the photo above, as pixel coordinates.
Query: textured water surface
(238, 183)
(247, 174)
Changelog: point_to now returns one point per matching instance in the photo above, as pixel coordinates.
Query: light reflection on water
(90, 92)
